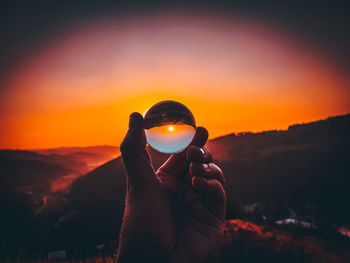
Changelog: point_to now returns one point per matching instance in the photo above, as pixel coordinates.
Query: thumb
(136, 159)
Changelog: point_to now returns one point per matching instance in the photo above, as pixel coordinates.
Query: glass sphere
(169, 126)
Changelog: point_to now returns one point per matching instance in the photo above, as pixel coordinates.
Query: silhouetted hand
(177, 213)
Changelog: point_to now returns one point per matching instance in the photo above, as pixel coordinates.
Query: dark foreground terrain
(287, 194)
(246, 242)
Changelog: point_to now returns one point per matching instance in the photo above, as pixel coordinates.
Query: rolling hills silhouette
(298, 175)
(93, 156)
(304, 169)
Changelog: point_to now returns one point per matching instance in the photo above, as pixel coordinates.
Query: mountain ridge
(296, 175)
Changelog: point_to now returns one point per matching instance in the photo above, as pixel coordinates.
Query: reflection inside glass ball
(169, 126)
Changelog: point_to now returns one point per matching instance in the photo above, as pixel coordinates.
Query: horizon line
(240, 133)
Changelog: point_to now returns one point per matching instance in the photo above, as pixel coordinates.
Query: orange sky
(234, 74)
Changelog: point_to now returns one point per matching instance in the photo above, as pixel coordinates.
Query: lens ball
(169, 126)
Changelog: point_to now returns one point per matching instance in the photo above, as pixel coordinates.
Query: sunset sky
(235, 71)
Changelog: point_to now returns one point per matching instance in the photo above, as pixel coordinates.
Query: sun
(171, 128)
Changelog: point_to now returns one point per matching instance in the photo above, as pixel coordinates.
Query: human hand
(177, 213)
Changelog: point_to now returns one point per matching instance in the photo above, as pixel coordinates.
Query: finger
(198, 154)
(191, 202)
(177, 164)
(209, 171)
(214, 193)
(135, 155)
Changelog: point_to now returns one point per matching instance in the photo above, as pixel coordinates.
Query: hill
(301, 174)
(295, 179)
(93, 156)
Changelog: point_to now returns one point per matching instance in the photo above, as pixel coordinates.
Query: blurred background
(269, 80)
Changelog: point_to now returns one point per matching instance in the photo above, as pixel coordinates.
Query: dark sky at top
(27, 25)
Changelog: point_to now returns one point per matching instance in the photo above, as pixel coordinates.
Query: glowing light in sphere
(170, 126)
